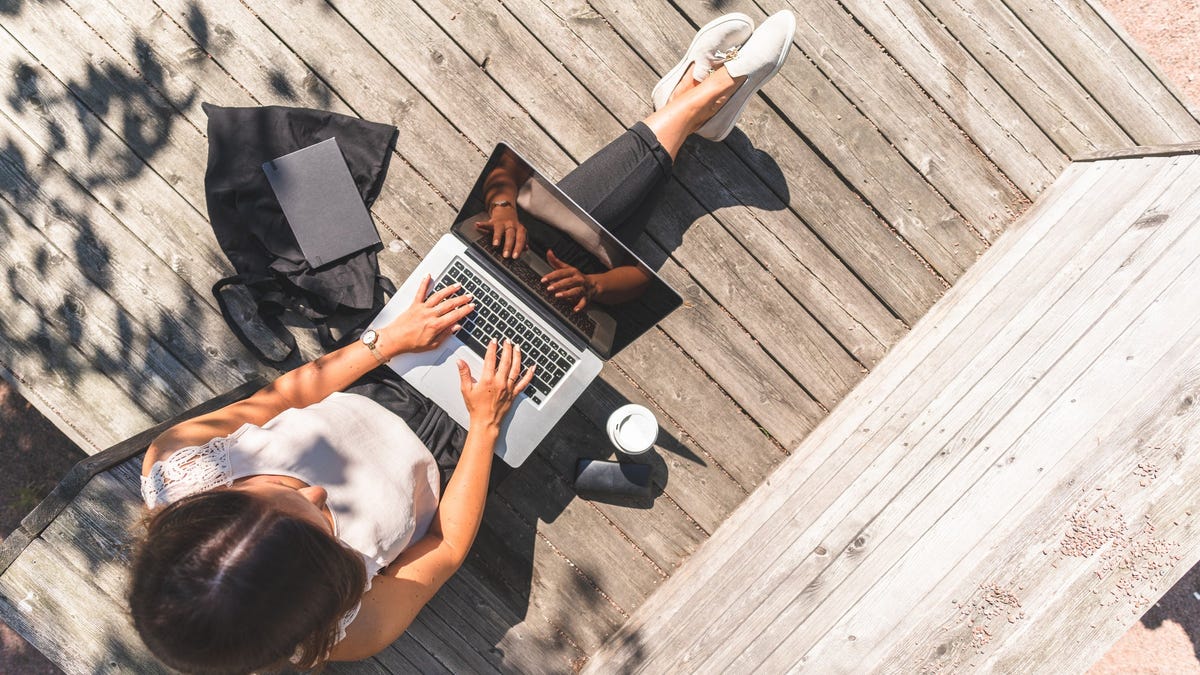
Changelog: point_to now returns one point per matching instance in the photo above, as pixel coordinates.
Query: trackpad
(441, 383)
(414, 366)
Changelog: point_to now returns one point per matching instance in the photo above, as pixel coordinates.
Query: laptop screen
(560, 256)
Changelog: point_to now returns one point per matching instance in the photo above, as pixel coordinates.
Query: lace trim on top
(188, 471)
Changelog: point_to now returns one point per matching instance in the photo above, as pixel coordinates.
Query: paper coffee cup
(632, 429)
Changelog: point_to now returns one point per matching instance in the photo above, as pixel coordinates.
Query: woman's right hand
(428, 321)
(490, 397)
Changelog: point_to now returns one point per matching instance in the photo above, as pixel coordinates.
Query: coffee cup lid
(633, 428)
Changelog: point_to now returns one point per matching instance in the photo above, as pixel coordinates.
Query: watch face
(369, 337)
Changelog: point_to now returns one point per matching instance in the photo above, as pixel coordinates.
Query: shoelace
(726, 55)
(721, 56)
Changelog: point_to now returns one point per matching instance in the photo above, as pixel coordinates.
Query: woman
(304, 524)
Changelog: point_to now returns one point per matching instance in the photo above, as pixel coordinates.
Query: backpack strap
(269, 318)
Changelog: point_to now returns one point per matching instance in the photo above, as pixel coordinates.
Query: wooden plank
(862, 155)
(864, 158)
(1161, 550)
(907, 457)
(1027, 70)
(853, 509)
(538, 581)
(95, 534)
(107, 86)
(447, 645)
(1096, 374)
(1106, 67)
(1132, 45)
(1055, 581)
(40, 320)
(657, 528)
(692, 480)
(369, 666)
(92, 256)
(489, 628)
(849, 57)
(114, 173)
(1141, 151)
(51, 604)
(620, 570)
(514, 636)
(883, 88)
(982, 281)
(964, 88)
(875, 531)
(406, 655)
(244, 55)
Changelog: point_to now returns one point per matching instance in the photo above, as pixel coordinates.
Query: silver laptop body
(569, 356)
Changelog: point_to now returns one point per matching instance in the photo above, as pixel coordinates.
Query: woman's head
(233, 580)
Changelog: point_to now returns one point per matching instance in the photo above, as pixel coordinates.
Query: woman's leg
(690, 106)
(617, 185)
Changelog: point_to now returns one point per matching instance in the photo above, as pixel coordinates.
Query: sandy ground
(1165, 641)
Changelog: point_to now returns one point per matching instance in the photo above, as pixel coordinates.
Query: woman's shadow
(513, 567)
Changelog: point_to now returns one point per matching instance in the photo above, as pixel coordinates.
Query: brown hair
(224, 583)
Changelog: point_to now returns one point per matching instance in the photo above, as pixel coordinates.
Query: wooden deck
(1007, 492)
(899, 141)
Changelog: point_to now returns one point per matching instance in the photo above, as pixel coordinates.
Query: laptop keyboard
(496, 317)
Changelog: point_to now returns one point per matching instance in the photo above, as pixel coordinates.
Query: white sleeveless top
(382, 481)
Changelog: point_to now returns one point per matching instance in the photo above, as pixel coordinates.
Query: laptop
(569, 347)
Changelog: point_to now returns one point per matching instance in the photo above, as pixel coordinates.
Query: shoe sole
(671, 79)
(754, 90)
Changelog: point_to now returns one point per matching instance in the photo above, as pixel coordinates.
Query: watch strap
(374, 349)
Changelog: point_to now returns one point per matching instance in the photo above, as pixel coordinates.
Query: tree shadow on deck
(702, 189)
(80, 139)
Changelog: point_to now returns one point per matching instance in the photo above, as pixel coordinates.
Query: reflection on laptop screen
(573, 266)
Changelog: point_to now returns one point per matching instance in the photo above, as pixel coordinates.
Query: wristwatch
(370, 338)
(498, 202)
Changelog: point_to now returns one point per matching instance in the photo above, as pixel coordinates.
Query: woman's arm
(423, 326)
(403, 587)
(502, 185)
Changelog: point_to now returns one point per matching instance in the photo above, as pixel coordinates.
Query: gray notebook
(321, 203)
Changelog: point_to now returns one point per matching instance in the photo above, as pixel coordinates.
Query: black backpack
(250, 227)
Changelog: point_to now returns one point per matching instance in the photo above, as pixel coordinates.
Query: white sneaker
(713, 44)
(758, 60)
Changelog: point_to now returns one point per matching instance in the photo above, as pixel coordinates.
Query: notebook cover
(321, 203)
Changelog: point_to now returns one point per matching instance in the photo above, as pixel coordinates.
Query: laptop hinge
(534, 303)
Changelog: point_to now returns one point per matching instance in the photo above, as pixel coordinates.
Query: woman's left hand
(427, 323)
(507, 231)
(489, 398)
(569, 283)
